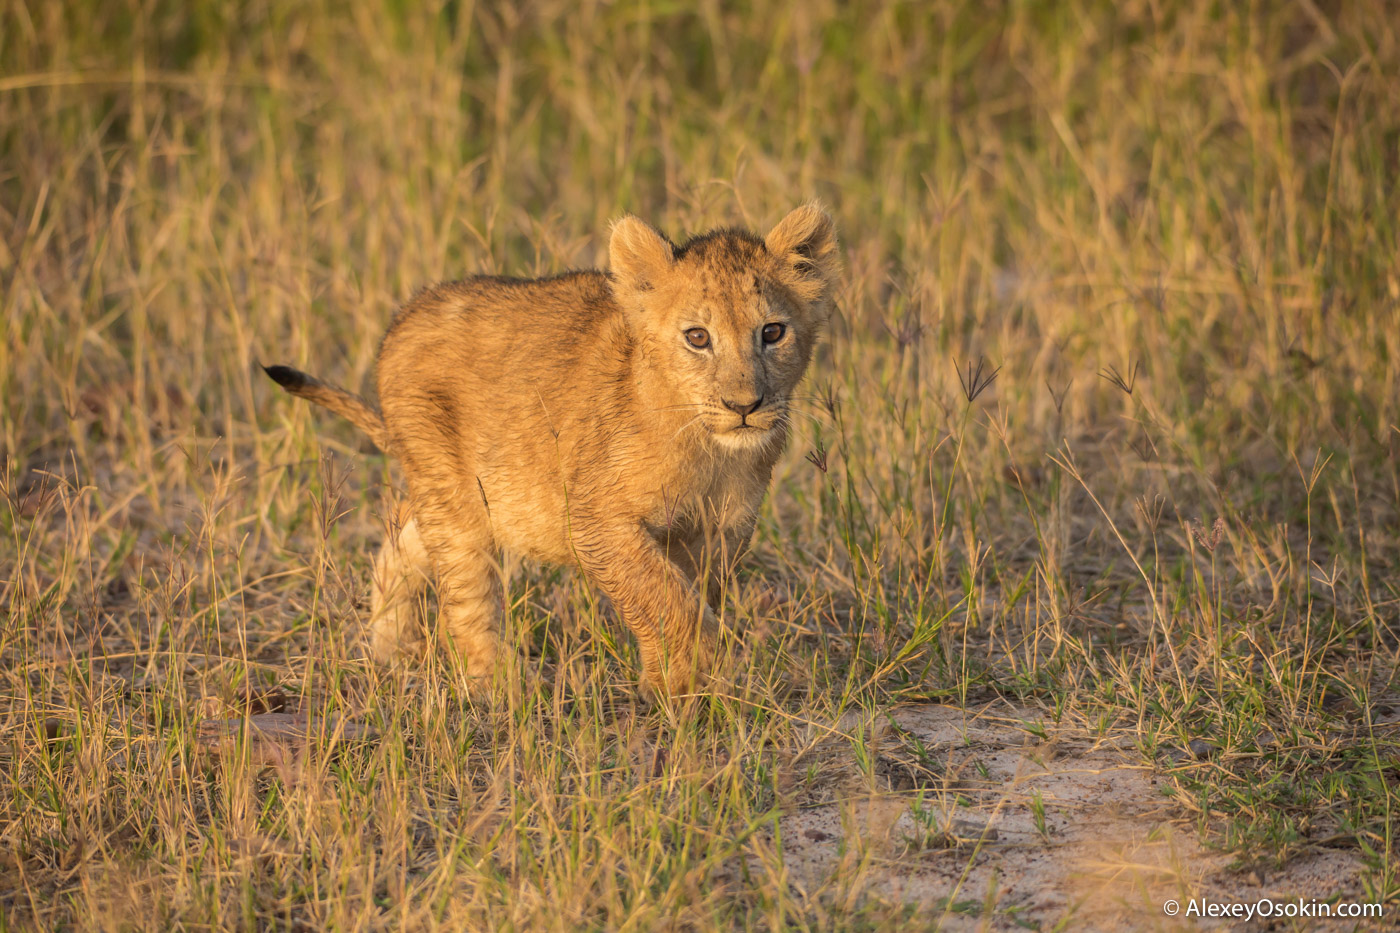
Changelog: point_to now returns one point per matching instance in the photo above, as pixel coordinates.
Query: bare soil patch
(949, 825)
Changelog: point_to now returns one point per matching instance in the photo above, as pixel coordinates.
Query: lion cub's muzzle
(752, 417)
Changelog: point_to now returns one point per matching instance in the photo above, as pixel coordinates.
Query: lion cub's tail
(361, 414)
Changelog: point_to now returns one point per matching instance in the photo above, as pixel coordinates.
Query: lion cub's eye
(697, 337)
(772, 333)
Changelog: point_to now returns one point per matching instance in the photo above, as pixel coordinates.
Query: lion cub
(624, 422)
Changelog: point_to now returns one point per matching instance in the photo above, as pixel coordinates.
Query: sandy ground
(1113, 852)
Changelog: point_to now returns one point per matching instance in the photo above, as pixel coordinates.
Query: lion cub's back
(490, 337)
(477, 376)
(494, 322)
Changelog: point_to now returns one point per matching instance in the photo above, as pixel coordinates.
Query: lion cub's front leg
(675, 629)
(710, 561)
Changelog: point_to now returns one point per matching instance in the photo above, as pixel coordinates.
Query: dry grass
(1170, 229)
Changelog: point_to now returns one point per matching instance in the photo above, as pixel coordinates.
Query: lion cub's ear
(639, 256)
(804, 242)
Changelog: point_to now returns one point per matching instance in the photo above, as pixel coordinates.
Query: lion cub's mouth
(747, 432)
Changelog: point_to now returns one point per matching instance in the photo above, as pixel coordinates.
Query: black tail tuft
(286, 377)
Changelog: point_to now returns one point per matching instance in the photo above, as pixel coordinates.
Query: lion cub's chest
(706, 501)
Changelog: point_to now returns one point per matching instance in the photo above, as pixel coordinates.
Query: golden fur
(575, 420)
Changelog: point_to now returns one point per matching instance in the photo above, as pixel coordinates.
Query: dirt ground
(1111, 850)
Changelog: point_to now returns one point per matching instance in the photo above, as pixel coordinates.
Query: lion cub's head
(729, 318)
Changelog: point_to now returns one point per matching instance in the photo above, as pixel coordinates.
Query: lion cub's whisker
(667, 408)
(692, 421)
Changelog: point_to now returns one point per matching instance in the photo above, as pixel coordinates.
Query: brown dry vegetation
(1169, 229)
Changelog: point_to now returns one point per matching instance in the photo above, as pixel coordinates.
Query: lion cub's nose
(743, 409)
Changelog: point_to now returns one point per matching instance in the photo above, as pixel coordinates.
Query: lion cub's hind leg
(459, 542)
(400, 577)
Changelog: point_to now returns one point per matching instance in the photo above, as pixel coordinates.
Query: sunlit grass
(1168, 231)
